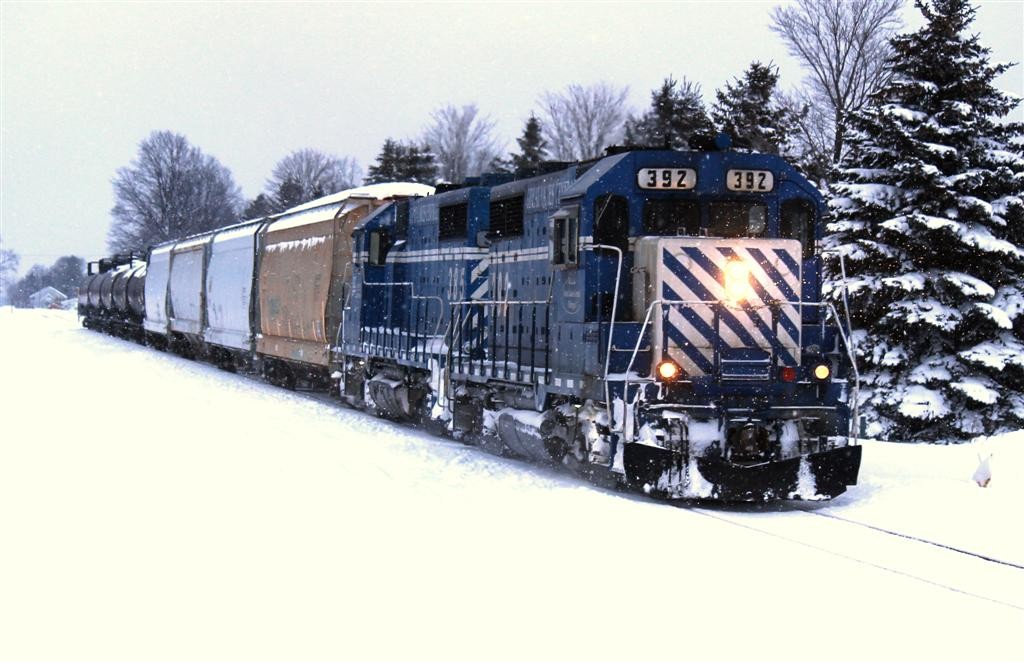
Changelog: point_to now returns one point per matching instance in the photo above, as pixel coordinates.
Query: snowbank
(153, 507)
(927, 491)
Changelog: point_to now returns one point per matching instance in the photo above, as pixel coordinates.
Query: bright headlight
(822, 371)
(737, 281)
(668, 371)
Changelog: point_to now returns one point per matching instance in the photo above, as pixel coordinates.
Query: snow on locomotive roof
(600, 169)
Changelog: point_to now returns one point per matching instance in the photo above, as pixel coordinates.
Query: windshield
(677, 217)
(737, 219)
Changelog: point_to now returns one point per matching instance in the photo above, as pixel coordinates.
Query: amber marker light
(668, 371)
(822, 372)
(737, 281)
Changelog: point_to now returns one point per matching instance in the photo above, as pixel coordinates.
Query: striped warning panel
(741, 303)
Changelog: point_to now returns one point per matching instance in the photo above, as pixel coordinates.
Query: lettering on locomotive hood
(545, 197)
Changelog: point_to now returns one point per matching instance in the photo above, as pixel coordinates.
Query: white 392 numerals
(749, 180)
(667, 178)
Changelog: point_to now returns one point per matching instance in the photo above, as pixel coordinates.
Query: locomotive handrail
(611, 325)
(846, 303)
(339, 336)
(474, 302)
(457, 336)
(851, 354)
(828, 306)
(850, 342)
(851, 346)
(414, 296)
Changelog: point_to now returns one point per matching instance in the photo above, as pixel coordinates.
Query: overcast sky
(81, 84)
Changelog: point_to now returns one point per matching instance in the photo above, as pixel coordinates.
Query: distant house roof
(47, 294)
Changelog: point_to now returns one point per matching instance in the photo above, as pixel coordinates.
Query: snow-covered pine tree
(417, 163)
(386, 167)
(532, 147)
(403, 162)
(750, 112)
(928, 213)
(676, 113)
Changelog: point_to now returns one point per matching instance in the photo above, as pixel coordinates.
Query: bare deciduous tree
(580, 122)
(170, 190)
(814, 132)
(845, 44)
(307, 174)
(9, 261)
(462, 141)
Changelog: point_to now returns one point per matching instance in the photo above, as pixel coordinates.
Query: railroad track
(927, 561)
(907, 536)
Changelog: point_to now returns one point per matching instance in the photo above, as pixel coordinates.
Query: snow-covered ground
(152, 507)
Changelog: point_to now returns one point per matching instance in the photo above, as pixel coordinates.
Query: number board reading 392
(667, 178)
(750, 180)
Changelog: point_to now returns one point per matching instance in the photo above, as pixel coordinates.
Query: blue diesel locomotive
(652, 318)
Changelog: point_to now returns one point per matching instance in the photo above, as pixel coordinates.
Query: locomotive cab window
(672, 217)
(565, 235)
(796, 221)
(737, 219)
(402, 219)
(611, 221)
(379, 244)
